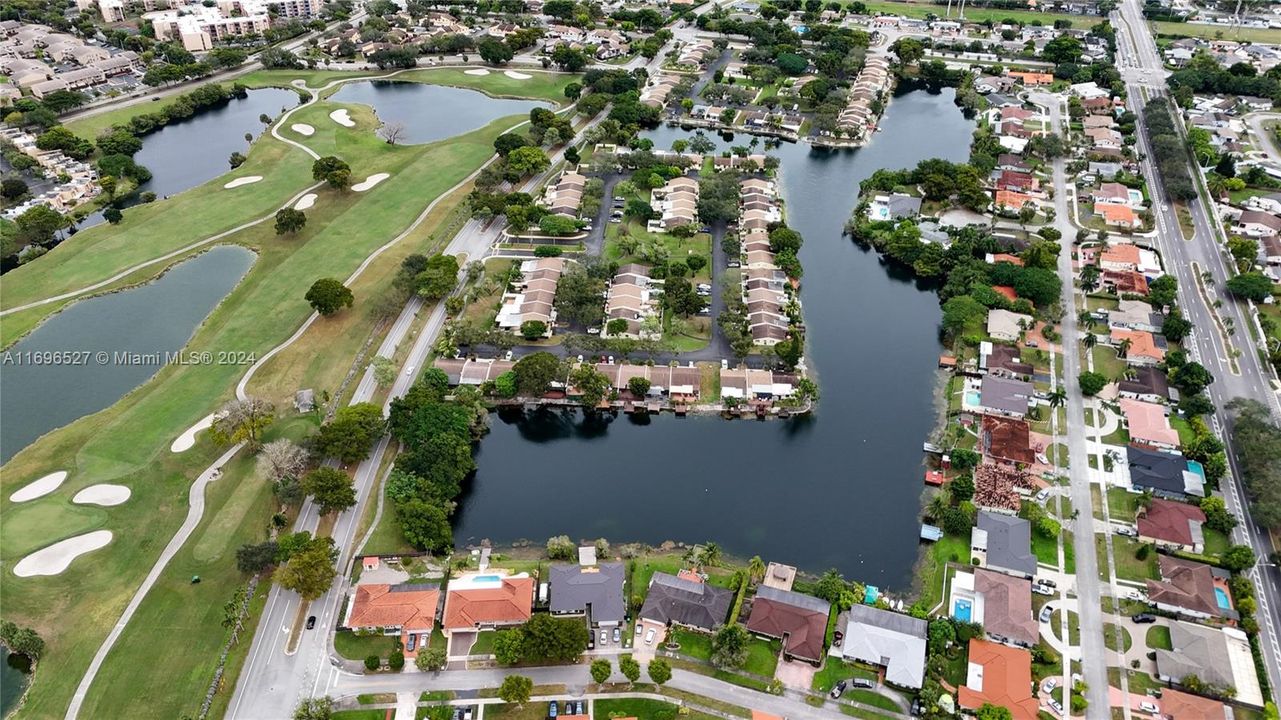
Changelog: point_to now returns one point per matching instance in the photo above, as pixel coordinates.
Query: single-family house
(685, 601)
(1136, 346)
(1005, 325)
(595, 591)
(886, 639)
(1004, 542)
(1003, 360)
(1006, 440)
(406, 610)
(1191, 589)
(799, 620)
(1147, 383)
(1257, 224)
(1173, 525)
(1005, 396)
(1219, 656)
(1006, 603)
(1166, 474)
(999, 675)
(482, 601)
(895, 206)
(1148, 424)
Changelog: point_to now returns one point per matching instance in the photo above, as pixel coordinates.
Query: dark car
(1144, 618)
(311, 622)
(837, 637)
(840, 688)
(862, 683)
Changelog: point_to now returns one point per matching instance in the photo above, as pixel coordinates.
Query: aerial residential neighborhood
(530, 359)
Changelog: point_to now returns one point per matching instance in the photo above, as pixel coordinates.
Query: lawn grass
(128, 443)
(640, 708)
(1122, 504)
(1107, 362)
(511, 711)
(1128, 565)
(975, 14)
(484, 644)
(1109, 637)
(1158, 638)
(834, 671)
(693, 644)
(932, 567)
(1216, 543)
(1074, 626)
(358, 647)
(762, 656)
(1214, 32)
(1046, 549)
(370, 714)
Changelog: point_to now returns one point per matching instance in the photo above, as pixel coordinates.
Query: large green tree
(535, 373)
(425, 525)
(352, 433)
(331, 488)
(309, 571)
(328, 295)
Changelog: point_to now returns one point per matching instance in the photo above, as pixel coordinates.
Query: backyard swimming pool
(1221, 596)
(961, 610)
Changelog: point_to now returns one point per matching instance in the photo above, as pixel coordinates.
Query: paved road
(1140, 63)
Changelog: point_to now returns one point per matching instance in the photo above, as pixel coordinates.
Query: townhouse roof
(1007, 606)
(408, 606)
(1172, 522)
(999, 675)
(672, 599)
(596, 589)
(798, 618)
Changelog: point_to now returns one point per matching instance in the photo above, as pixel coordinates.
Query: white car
(1149, 708)
(1048, 686)
(1042, 590)
(649, 637)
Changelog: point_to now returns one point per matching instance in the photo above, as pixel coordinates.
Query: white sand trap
(341, 117)
(187, 440)
(305, 202)
(246, 180)
(370, 182)
(477, 71)
(39, 488)
(516, 75)
(303, 129)
(102, 494)
(57, 557)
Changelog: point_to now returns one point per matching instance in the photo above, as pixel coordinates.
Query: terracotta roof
(1006, 439)
(1121, 255)
(1006, 292)
(1142, 344)
(412, 607)
(1170, 521)
(511, 602)
(1177, 705)
(1147, 422)
(1010, 199)
(1116, 214)
(1003, 676)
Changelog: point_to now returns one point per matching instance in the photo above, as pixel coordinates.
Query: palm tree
(711, 554)
(1090, 278)
(938, 504)
(1085, 319)
(1090, 340)
(756, 569)
(1124, 348)
(1058, 397)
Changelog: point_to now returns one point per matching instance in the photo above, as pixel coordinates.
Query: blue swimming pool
(972, 398)
(487, 578)
(1221, 596)
(961, 610)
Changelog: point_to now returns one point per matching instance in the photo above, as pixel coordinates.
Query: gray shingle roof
(685, 602)
(576, 589)
(1009, 542)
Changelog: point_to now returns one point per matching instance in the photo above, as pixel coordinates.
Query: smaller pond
(431, 112)
(95, 335)
(15, 675)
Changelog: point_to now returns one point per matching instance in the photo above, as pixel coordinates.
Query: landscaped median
(129, 442)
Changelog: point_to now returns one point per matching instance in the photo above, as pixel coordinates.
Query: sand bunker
(477, 71)
(303, 129)
(187, 440)
(370, 182)
(516, 75)
(305, 202)
(57, 557)
(102, 494)
(341, 117)
(39, 488)
(246, 180)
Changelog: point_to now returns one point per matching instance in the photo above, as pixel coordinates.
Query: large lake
(839, 489)
(430, 112)
(154, 318)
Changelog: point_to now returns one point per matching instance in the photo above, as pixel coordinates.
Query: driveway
(795, 674)
(460, 643)
(644, 652)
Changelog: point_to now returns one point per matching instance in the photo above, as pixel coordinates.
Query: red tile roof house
(1177, 705)
(1148, 424)
(477, 602)
(1001, 676)
(1143, 349)
(1006, 440)
(1190, 589)
(799, 620)
(1172, 525)
(405, 610)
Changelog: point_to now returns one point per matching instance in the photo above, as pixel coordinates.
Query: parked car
(412, 642)
(1043, 495)
(1046, 612)
(1058, 707)
(604, 636)
(619, 198)
(618, 635)
(593, 331)
(837, 636)
(467, 713)
(1126, 531)
(1149, 708)
(839, 688)
(552, 709)
(733, 264)
(862, 683)
(1047, 583)
(638, 629)
(649, 637)
(1144, 618)
(1048, 686)
(1042, 590)
(311, 623)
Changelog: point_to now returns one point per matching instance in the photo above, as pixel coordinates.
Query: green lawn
(359, 715)
(931, 568)
(484, 644)
(1216, 543)
(1215, 32)
(640, 708)
(834, 671)
(1158, 638)
(128, 443)
(762, 656)
(695, 645)
(978, 15)
(671, 563)
(358, 647)
(1128, 565)
(1122, 504)
(1046, 549)
(1074, 626)
(1109, 637)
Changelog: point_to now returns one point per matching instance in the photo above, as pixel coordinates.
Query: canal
(157, 317)
(839, 489)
